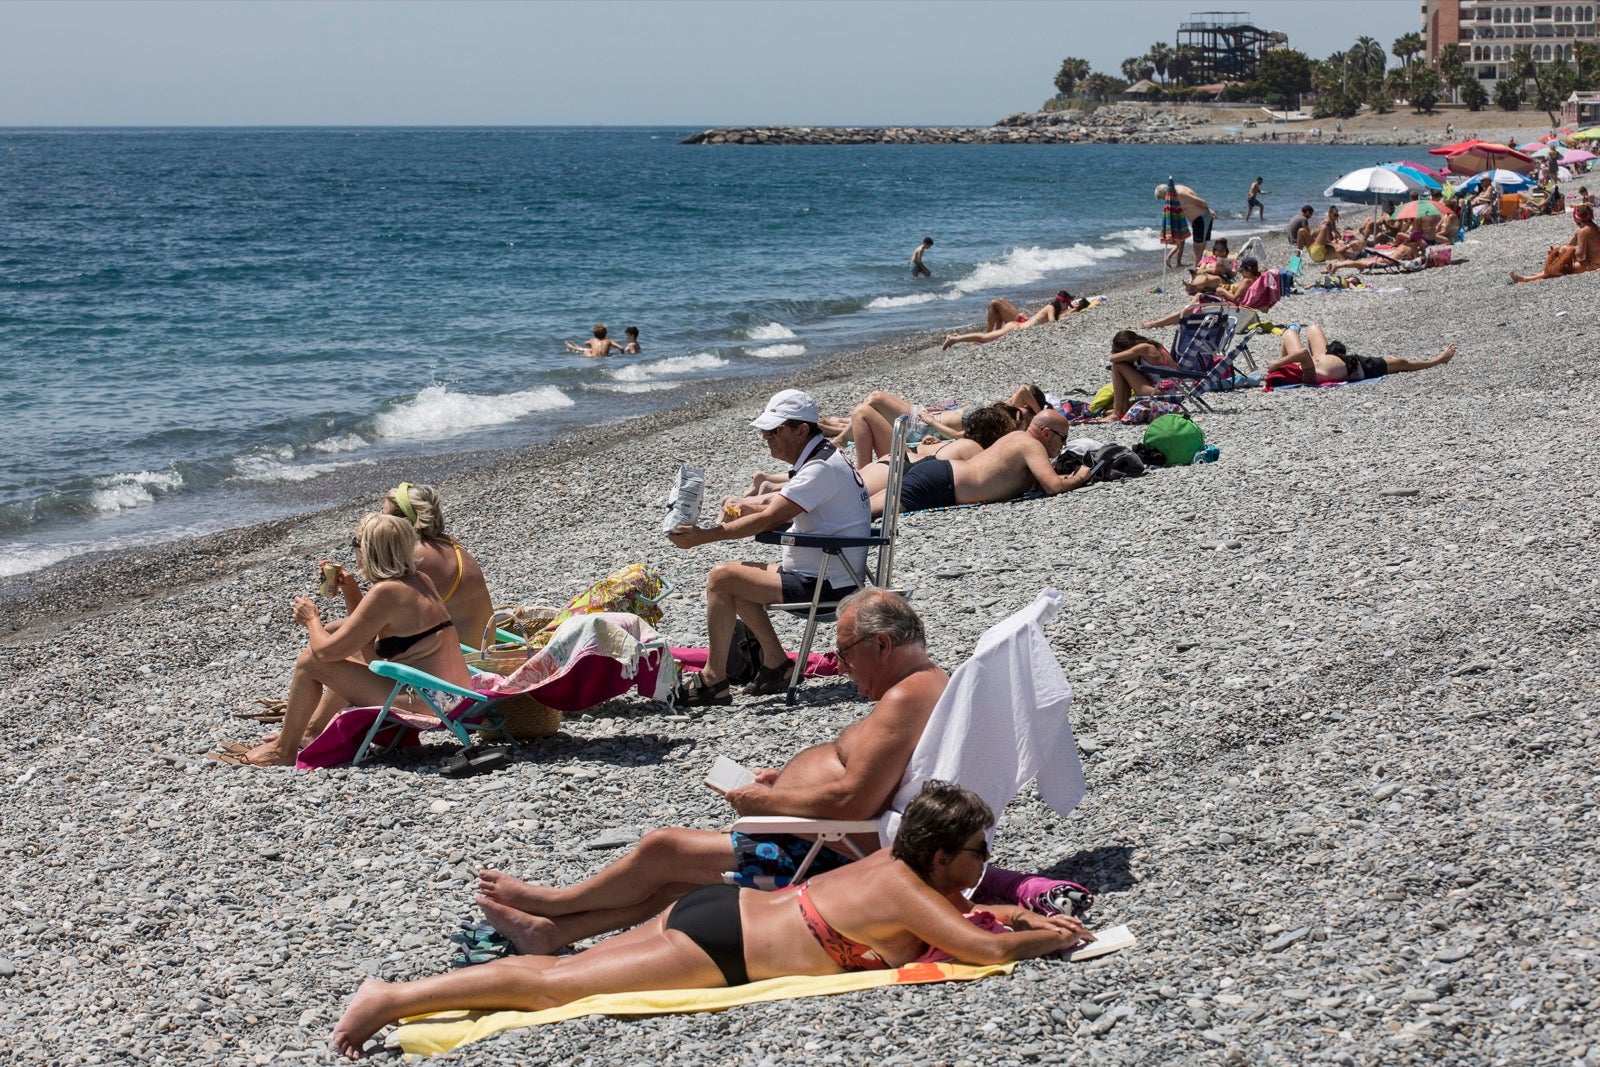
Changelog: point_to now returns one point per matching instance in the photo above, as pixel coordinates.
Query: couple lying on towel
(884, 911)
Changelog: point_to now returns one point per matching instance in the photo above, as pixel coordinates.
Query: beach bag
(744, 655)
(634, 590)
(1151, 457)
(1112, 463)
(1103, 399)
(1148, 409)
(1177, 437)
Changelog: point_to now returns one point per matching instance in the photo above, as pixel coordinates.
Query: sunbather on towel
(881, 912)
(1580, 254)
(1016, 464)
(872, 420)
(1321, 360)
(453, 570)
(402, 618)
(881, 647)
(1004, 318)
(1406, 251)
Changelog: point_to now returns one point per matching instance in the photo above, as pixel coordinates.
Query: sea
(201, 328)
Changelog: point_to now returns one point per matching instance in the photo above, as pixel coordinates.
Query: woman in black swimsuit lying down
(884, 911)
(401, 618)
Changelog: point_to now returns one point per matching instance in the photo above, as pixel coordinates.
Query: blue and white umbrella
(1509, 181)
(1370, 185)
(1428, 181)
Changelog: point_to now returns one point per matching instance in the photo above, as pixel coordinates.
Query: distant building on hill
(1224, 46)
(1489, 31)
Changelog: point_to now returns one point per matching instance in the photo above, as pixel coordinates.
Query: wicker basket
(524, 716)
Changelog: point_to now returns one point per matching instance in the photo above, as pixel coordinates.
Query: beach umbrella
(1372, 184)
(1174, 225)
(1419, 209)
(1452, 149)
(1509, 181)
(1428, 180)
(1421, 168)
(1591, 134)
(1577, 155)
(1485, 155)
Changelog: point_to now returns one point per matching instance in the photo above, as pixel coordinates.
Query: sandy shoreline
(1335, 694)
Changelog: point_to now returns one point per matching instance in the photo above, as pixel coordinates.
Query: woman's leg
(350, 684)
(1167, 320)
(981, 338)
(1123, 379)
(1401, 365)
(873, 433)
(656, 959)
(1001, 311)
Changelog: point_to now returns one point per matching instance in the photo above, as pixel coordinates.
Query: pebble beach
(1335, 695)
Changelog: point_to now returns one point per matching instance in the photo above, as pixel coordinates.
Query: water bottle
(1207, 454)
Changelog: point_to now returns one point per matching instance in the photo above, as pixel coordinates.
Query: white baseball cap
(789, 404)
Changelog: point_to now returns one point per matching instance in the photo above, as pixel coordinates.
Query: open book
(725, 774)
(1105, 942)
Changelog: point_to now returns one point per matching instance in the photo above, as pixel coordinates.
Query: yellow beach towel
(428, 1035)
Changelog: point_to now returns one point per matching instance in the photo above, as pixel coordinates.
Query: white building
(1488, 31)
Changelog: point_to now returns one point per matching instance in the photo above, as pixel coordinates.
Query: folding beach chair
(1205, 351)
(833, 549)
(1001, 723)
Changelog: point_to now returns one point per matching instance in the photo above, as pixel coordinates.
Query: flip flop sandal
(693, 692)
(231, 759)
(233, 747)
(274, 710)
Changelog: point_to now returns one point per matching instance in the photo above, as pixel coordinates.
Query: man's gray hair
(879, 611)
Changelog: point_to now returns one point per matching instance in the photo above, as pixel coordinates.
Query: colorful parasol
(1174, 225)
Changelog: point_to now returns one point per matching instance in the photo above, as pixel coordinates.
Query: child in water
(596, 346)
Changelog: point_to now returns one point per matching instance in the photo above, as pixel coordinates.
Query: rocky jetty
(1106, 125)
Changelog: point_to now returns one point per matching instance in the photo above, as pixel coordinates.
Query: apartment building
(1488, 31)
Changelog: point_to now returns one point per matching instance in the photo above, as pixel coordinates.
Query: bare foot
(268, 755)
(508, 891)
(949, 340)
(1445, 356)
(366, 1014)
(533, 935)
(1519, 278)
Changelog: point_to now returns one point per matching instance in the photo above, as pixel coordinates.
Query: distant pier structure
(1225, 46)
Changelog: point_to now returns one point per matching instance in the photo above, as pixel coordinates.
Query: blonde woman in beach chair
(895, 908)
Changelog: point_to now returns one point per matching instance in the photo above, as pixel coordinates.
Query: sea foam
(778, 351)
(644, 372)
(772, 331)
(437, 412)
(120, 492)
(276, 464)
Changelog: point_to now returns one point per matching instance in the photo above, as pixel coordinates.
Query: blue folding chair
(1205, 352)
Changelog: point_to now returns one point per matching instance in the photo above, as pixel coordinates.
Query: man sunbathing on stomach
(1017, 463)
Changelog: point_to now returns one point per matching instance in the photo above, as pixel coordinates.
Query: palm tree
(1137, 68)
(1072, 72)
(1586, 60)
(1452, 67)
(1182, 64)
(1160, 56)
(1366, 57)
(1508, 94)
(1523, 66)
(1405, 46)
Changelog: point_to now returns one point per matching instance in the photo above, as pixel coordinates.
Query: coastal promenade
(1335, 695)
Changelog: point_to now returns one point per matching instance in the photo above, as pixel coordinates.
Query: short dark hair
(1336, 348)
(941, 818)
(1249, 263)
(1123, 340)
(1308, 210)
(812, 429)
(631, 331)
(927, 240)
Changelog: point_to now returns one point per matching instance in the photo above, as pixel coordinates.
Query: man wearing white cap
(824, 495)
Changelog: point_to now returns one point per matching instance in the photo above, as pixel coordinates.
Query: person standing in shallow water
(1253, 201)
(918, 268)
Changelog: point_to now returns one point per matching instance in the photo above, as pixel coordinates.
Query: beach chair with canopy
(880, 537)
(1001, 723)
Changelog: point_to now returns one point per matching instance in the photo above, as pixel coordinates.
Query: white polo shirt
(834, 501)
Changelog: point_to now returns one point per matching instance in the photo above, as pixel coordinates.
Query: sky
(595, 62)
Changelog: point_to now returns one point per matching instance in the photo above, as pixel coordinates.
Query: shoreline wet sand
(1335, 694)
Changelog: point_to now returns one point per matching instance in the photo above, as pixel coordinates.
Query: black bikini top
(395, 647)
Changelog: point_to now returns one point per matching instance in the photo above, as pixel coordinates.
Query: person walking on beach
(918, 268)
(1253, 200)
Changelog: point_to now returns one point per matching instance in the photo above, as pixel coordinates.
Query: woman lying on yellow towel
(885, 911)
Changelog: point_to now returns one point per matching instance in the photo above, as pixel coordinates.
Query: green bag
(1102, 400)
(1176, 437)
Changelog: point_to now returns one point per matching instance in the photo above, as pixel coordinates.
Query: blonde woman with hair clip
(442, 558)
(401, 618)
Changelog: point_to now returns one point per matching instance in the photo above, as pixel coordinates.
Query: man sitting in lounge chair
(1016, 464)
(1321, 360)
(881, 645)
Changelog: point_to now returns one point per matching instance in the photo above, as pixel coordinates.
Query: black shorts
(928, 484)
(798, 588)
(1200, 228)
(1364, 368)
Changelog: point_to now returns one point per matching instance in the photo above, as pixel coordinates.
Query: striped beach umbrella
(1174, 226)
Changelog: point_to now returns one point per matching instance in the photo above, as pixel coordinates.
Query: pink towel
(818, 664)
